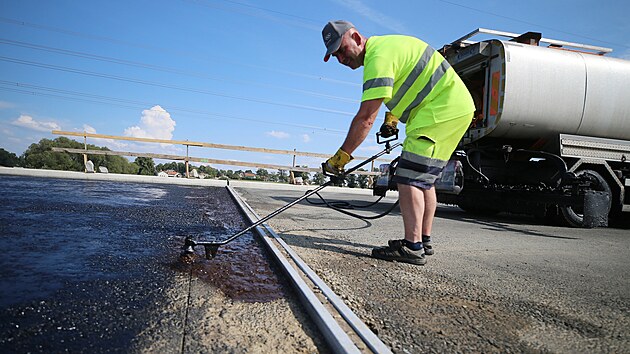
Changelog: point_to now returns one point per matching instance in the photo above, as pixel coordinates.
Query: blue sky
(235, 72)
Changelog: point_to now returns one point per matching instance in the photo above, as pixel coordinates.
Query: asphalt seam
(187, 308)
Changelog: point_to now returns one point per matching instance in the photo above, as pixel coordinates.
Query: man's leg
(430, 204)
(412, 207)
(409, 250)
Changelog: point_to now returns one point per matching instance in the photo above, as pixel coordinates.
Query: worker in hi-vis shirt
(421, 90)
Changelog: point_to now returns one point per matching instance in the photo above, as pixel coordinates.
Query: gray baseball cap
(332, 33)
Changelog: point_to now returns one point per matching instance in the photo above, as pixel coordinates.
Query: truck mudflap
(595, 209)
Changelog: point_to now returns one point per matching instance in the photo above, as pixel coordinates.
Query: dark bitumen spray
(241, 269)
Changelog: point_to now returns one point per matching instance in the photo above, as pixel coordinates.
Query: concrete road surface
(495, 284)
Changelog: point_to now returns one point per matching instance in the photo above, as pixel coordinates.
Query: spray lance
(211, 247)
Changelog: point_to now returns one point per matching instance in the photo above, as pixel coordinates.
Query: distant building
(249, 175)
(162, 174)
(194, 173)
(172, 173)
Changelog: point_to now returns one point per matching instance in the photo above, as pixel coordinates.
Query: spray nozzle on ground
(211, 251)
(189, 248)
(211, 247)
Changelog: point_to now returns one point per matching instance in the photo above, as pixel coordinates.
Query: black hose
(212, 246)
(340, 205)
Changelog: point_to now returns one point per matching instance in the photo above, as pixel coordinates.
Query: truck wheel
(574, 217)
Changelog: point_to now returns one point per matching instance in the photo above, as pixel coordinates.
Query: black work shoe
(397, 251)
(428, 250)
(426, 242)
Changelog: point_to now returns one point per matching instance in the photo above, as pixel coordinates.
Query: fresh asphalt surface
(93, 266)
(495, 284)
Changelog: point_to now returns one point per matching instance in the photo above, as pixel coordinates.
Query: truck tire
(574, 216)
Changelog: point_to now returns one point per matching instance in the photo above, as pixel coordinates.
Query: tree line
(40, 156)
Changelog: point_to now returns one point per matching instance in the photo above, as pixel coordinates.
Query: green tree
(363, 180)
(272, 177)
(167, 166)
(41, 156)
(262, 174)
(116, 164)
(283, 176)
(210, 171)
(351, 180)
(181, 168)
(8, 159)
(146, 166)
(305, 175)
(319, 178)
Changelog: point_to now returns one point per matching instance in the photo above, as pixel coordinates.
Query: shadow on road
(500, 222)
(369, 207)
(327, 244)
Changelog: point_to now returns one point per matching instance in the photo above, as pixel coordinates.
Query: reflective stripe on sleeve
(378, 82)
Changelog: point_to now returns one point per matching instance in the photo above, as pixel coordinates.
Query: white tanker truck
(551, 134)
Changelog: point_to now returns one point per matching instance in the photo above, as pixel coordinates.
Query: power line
(302, 20)
(163, 68)
(530, 23)
(173, 87)
(126, 103)
(274, 11)
(169, 51)
(444, 1)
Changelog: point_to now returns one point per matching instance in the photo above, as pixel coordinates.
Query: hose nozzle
(211, 251)
(189, 246)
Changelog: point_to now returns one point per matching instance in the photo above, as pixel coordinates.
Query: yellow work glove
(336, 164)
(390, 126)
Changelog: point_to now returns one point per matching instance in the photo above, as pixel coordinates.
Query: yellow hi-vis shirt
(417, 84)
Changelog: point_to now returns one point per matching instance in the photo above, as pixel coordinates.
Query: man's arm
(361, 124)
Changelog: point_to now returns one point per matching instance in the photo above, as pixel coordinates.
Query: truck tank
(537, 92)
(551, 130)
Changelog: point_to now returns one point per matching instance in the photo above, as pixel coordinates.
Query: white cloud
(30, 123)
(110, 143)
(89, 129)
(155, 123)
(278, 135)
(625, 55)
(375, 16)
(306, 138)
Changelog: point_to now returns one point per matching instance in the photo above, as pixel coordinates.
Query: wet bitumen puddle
(86, 264)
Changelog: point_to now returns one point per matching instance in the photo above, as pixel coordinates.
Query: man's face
(349, 53)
